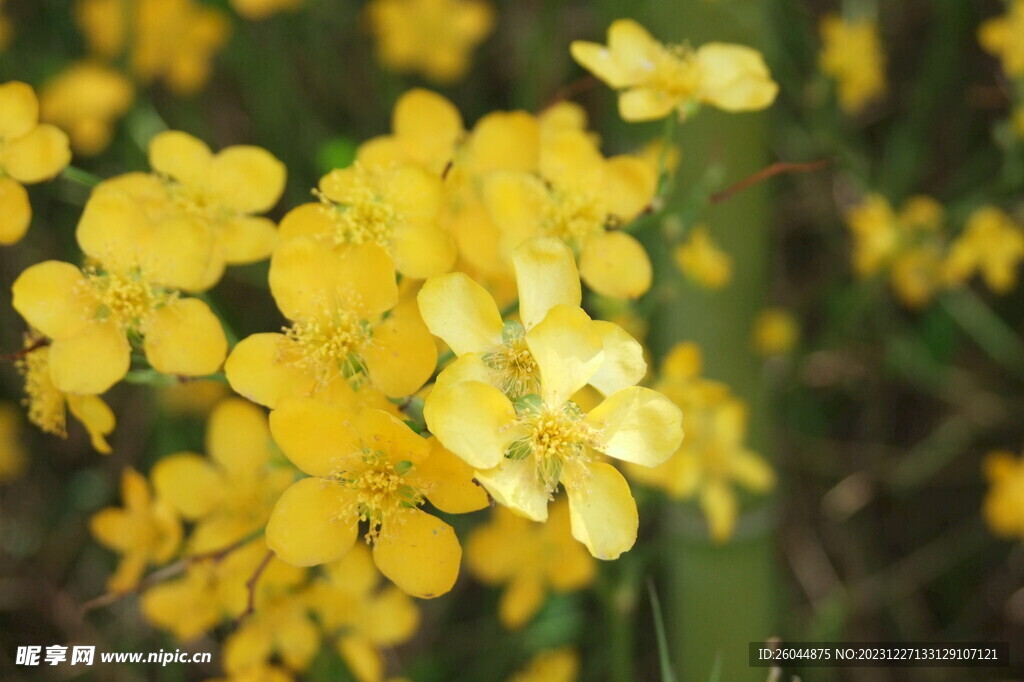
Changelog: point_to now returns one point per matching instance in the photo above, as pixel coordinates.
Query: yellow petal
(402, 354)
(419, 553)
(238, 437)
(189, 483)
(468, 367)
(505, 141)
(37, 156)
(567, 350)
(185, 337)
(749, 470)
(308, 220)
(624, 363)
(255, 370)
(246, 179)
(392, 619)
(461, 312)
(382, 432)
(49, 296)
(521, 600)
(428, 126)
(735, 77)
(721, 509)
(600, 61)
(362, 658)
(247, 240)
(614, 264)
(305, 528)
(248, 647)
(20, 109)
(515, 484)
(180, 156)
(16, 211)
(638, 425)
(315, 436)
(415, 193)
(645, 104)
(603, 512)
(453, 490)
(547, 277)
(297, 639)
(999, 465)
(423, 251)
(472, 420)
(628, 186)
(91, 361)
(97, 418)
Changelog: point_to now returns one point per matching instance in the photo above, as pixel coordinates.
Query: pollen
(125, 297)
(43, 400)
(379, 490)
(329, 344)
(517, 372)
(573, 215)
(676, 71)
(560, 442)
(363, 216)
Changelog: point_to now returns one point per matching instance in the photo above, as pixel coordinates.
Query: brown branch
(165, 573)
(250, 586)
(571, 89)
(777, 168)
(40, 342)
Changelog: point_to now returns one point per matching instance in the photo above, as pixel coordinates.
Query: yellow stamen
(329, 344)
(44, 401)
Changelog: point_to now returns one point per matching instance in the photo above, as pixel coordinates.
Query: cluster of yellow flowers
(852, 54)
(475, 242)
(1001, 38)
(911, 246)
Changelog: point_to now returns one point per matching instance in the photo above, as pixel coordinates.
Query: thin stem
(81, 177)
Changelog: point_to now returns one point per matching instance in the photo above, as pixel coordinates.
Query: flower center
(364, 216)
(559, 440)
(125, 297)
(675, 71)
(329, 344)
(196, 202)
(573, 215)
(44, 401)
(516, 372)
(379, 489)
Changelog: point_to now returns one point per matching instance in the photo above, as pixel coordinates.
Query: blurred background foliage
(876, 422)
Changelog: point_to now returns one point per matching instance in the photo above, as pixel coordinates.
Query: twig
(776, 168)
(40, 342)
(250, 586)
(570, 90)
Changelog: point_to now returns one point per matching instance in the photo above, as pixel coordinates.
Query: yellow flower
(713, 456)
(336, 300)
(464, 316)
(1003, 507)
(85, 99)
(991, 243)
(551, 665)
(1001, 37)
(171, 40)
(47, 404)
(576, 195)
(230, 494)
(395, 207)
(523, 450)
(371, 467)
(776, 331)
(261, 9)
(529, 559)
(700, 259)
(909, 245)
(93, 316)
(13, 457)
(425, 130)
(431, 37)
(656, 79)
(852, 54)
(145, 531)
(366, 617)
(30, 152)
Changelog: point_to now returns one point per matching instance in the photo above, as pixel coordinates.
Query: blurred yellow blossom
(656, 79)
(430, 37)
(170, 40)
(528, 559)
(30, 152)
(1001, 37)
(702, 261)
(776, 331)
(425, 130)
(551, 665)
(364, 616)
(48, 406)
(713, 457)
(13, 456)
(261, 9)
(85, 99)
(146, 531)
(1003, 507)
(992, 244)
(852, 54)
